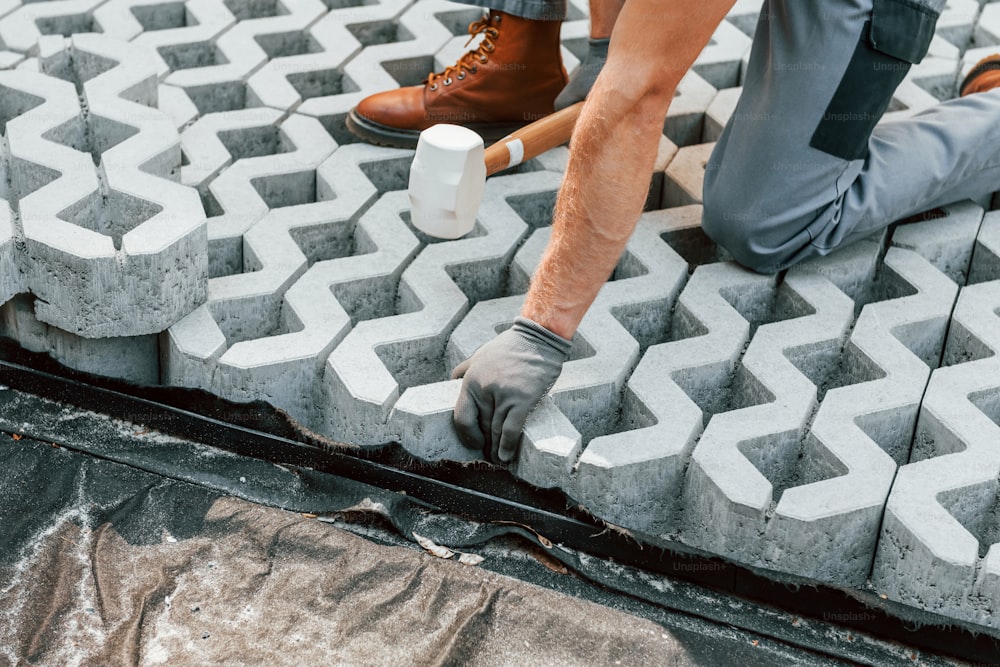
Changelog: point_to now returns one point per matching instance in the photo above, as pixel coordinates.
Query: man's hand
(503, 382)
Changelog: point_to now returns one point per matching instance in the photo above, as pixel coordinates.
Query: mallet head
(447, 179)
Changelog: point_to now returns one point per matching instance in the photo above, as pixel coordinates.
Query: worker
(800, 169)
(513, 77)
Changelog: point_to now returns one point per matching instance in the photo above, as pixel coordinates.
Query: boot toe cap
(402, 108)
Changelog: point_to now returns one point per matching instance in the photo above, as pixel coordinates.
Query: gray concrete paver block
(685, 175)
(986, 258)
(987, 29)
(720, 62)
(7, 6)
(686, 115)
(584, 402)
(943, 239)
(958, 21)
(218, 80)
(719, 112)
(382, 63)
(175, 103)
(21, 28)
(909, 98)
(130, 358)
(937, 73)
(179, 35)
(745, 14)
(125, 225)
(939, 547)
(834, 473)
(10, 59)
(630, 470)
(265, 333)
(665, 154)
(277, 158)
(310, 69)
(632, 309)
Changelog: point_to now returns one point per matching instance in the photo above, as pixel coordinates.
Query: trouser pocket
(898, 35)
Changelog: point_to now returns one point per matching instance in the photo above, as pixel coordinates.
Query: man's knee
(737, 228)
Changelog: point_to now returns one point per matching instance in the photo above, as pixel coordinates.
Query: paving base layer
(183, 206)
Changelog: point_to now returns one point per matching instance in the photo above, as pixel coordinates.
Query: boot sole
(383, 135)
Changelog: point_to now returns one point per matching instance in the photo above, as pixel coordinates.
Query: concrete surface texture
(182, 205)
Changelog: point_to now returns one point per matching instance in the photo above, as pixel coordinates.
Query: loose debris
(444, 552)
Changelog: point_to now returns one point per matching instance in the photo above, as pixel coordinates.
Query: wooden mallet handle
(532, 140)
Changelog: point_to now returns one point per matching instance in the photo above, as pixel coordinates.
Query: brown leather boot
(984, 76)
(510, 80)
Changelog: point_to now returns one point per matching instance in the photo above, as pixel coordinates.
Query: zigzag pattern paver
(836, 471)
(939, 539)
(115, 246)
(182, 205)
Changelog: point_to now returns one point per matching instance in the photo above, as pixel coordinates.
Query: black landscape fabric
(104, 564)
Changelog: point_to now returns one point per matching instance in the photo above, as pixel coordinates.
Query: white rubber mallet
(450, 167)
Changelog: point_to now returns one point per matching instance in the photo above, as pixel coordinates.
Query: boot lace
(469, 63)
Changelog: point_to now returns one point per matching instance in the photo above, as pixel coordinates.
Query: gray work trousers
(540, 10)
(802, 168)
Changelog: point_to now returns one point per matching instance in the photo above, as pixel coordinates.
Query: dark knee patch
(898, 35)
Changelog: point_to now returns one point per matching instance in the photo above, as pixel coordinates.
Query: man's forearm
(612, 153)
(597, 208)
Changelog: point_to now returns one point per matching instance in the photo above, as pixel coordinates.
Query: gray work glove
(583, 78)
(503, 382)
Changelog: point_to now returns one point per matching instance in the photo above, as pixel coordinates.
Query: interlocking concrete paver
(125, 225)
(630, 312)
(938, 71)
(665, 154)
(940, 544)
(744, 15)
(383, 63)
(684, 176)
(947, 239)
(686, 115)
(909, 98)
(10, 59)
(986, 258)
(721, 61)
(836, 478)
(958, 21)
(276, 165)
(629, 474)
(719, 112)
(317, 267)
(21, 28)
(130, 358)
(217, 80)
(181, 35)
(305, 69)
(987, 29)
